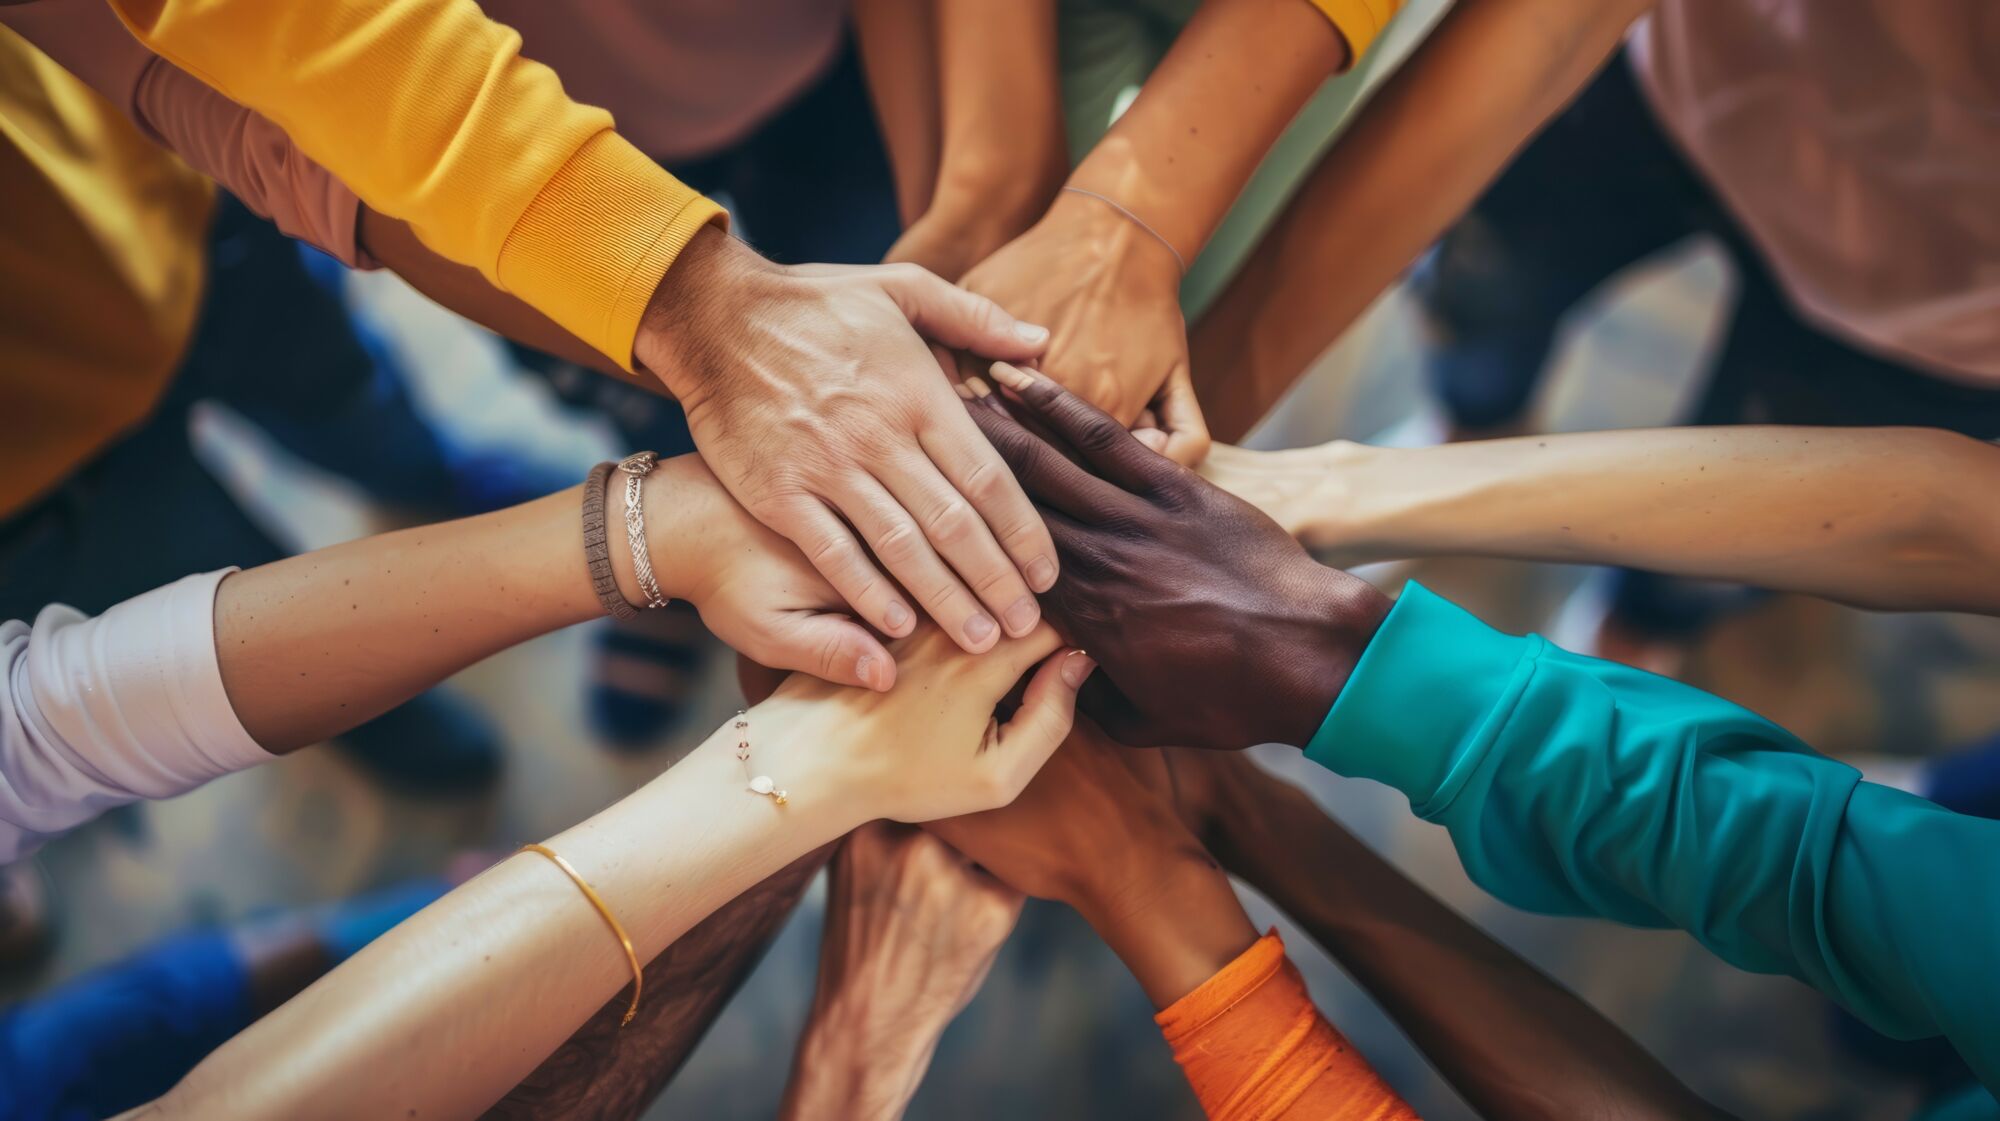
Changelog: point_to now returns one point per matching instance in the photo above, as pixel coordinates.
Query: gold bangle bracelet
(610, 920)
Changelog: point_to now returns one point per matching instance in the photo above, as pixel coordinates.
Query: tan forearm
(1175, 927)
(1235, 78)
(485, 983)
(897, 41)
(1885, 518)
(1515, 1044)
(1004, 149)
(610, 1073)
(315, 644)
(1418, 155)
(462, 289)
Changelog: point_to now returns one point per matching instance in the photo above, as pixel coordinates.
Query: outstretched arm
(1416, 157)
(608, 1073)
(1444, 981)
(487, 982)
(1887, 518)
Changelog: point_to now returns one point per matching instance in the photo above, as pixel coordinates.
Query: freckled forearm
(315, 644)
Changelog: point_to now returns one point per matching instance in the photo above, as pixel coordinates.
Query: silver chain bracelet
(636, 467)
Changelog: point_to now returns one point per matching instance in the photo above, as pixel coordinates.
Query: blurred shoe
(26, 921)
(644, 675)
(436, 743)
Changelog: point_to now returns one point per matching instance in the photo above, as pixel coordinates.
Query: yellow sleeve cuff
(1358, 21)
(592, 246)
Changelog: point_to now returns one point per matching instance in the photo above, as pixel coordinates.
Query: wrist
(698, 305)
(1141, 252)
(1115, 170)
(995, 195)
(1175, 930)
(1327, 619)
(1340, 506)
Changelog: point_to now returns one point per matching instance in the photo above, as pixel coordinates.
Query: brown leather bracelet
(597, 546)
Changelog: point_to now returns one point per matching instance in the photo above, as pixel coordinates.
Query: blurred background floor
(1060, 1030)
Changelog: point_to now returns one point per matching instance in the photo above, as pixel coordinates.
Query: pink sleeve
(237, 148)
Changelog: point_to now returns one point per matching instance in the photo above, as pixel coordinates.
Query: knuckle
(899, 543)
(951, 523)
(985, 484)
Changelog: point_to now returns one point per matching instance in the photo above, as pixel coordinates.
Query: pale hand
(754, 589)
(932, 746)
(1109, 292)
(814, 398)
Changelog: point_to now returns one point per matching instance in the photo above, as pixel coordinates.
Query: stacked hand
(817, 404)
(1214, 627)
(932, 746)
(1110, 294)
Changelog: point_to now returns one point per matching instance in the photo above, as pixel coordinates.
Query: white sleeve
(96, 713)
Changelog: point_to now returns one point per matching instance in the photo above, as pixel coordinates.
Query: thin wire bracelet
(1135, 220)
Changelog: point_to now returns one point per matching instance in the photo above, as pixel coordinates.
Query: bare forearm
(1235, 78)
(897, 40)
(316, 644)
(1418, 155)
(605, 1073)
(1004, 148)
(1887, 518)
(490, 980)
(1175, 927)
(1515, 1044)
(463, 290)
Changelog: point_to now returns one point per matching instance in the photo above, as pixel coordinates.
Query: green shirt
(1577, 786)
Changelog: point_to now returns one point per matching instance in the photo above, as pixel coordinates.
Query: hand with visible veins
(1110, 294)
(815, 399)
(1214, 627)
(911, 930)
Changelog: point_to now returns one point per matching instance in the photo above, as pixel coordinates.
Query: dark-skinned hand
(1213, 628)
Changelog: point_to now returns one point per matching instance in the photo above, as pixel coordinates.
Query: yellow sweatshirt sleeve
(1359, 21)
(427, 109)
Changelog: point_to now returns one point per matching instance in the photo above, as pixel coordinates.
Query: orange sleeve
(1254, 1047)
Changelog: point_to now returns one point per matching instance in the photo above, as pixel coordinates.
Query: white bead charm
(761, 784)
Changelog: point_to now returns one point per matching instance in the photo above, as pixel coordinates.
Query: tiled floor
(1060, 1031)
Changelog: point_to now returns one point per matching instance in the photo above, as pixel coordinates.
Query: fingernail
(1031, 334)
(1041, 574)
(868, 671)
(1009, 376)
(964, 390)
(979, 388)
(1022, 615)
(978, 628)
(1076, 668)
(897, 617)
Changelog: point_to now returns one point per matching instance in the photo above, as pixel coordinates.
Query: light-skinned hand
(932, 747)
(814, 397)
(1109, 292)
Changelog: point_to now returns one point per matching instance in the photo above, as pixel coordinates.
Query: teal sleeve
(1577, 786)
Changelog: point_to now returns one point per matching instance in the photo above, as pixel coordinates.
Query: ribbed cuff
(1430, 692)
(1360, 22)
(1217, 995)
(592, 247)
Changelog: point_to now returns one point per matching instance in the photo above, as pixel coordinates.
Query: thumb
(1048, 709)
(960, 319)
(1186, 429)
(830, 647)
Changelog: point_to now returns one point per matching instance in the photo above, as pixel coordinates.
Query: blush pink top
(1858, 142)
(682, 78)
